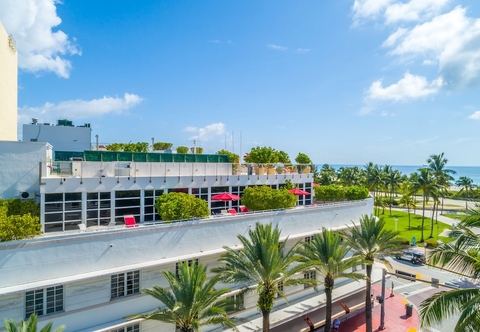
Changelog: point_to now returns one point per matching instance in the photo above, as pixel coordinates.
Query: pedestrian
(373, 300)
(336, 325)
(309, 323)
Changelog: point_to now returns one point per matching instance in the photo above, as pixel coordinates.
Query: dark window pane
(53, 217)
(53, 227)
(53, 197)
(73, 215)
(219, 190)
(148, 209)
(71, 226)
(92, 222)
(92, 205)
(127, 193)
(92, 214)
(158, 193)
(125, 211)
(53, 207)
(148, 217)
(73, 196)
(127, 202)
(92, 196)
(73, 206)
(148, 193)
(105, 204)
(148, 201)
(105, 195)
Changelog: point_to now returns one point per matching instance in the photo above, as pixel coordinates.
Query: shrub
(432, 243)
(329, 193)
(196, 150)
(19, 219)
(403, 241)
(265, 198)
(181, 206)
(182, 149)
(354, 192)
(162, 146)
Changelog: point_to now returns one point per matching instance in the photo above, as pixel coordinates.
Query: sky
(345, 81)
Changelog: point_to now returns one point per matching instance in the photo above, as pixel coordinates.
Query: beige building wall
(8, 87)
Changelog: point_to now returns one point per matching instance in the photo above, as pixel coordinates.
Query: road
(416, 292)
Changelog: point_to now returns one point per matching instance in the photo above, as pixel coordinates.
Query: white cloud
(368, 9)
(214, 41)
(475, 116)
(206, 133)
(428, 62)
(39, 48)
(414, 10)
(277, 47)
(80, 109)
(302, 50)
(409, 87)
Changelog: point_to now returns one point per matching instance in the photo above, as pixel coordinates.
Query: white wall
(62, 138)
(19, 170)
(8, 88)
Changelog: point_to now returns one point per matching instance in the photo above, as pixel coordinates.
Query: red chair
(233, 212)
(243, 209)
(130, 221)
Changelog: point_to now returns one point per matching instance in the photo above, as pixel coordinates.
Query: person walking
(336, 325)
(309, 323)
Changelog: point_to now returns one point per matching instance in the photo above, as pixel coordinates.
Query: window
(124, 284)
(44, 301)
(239, 303)
(190, 262)
(132, 328)
(309, 239)
(63, 212)
(312, 275)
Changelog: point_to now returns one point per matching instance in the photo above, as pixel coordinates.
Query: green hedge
(265, 198)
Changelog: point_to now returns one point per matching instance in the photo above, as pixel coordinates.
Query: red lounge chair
(130, 221)
(243, 209)
(232, 211)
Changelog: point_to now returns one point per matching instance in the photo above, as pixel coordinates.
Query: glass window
(148, 193)
(53, 217)
(132, 328)
(126, 194)
(124, 284)
(312, 275)
(44, 301)
(105, 195)
(73, 196)
(53, 197)
(127, 202)
(52, 207)
(72, 206)
(73, 215)
(91, 196)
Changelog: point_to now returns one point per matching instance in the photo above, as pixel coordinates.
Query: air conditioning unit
(27, 195)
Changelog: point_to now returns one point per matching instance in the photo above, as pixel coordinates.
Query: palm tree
(370, 240)
(408, 200)
(191, 302)
(443, 176)
(393, 180)
(29, 326)
(429, 187)
(373, 177)
(465, 183)
(327, 175)
(326, 254)
(262, 264)
(462, 256)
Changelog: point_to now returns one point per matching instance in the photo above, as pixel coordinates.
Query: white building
(89, 280)
(63, 136)
(8, 87)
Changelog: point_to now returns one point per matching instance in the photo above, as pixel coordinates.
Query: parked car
(412, 256)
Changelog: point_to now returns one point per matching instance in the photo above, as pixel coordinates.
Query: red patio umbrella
(299, 192)
(225, 197)
(316, 185)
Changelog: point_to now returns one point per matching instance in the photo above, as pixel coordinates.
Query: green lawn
(415, 226)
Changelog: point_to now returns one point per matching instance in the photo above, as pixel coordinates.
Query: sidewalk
(395, 318)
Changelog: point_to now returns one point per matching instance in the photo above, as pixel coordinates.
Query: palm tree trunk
(431, 220)
(266, 320)
(408, 209)
(368, 300)
(423, 218)
(328, 311)
(466, 199)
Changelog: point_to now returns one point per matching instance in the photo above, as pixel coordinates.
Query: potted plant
(304, 162)
(233, 158)
(162, 146)
(279, 169)
(263, 156)
(182, 149)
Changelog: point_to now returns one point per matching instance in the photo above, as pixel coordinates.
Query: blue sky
(346, 81)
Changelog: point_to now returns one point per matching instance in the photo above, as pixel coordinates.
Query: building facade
(8, 86)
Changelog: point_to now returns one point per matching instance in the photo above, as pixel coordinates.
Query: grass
(457, 216)
(415, 226)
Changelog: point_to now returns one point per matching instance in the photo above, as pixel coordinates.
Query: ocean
(473, 172)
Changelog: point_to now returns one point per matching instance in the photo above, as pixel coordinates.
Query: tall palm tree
(437, 163)
(350, 176)
(462, 256)
(373, 178)
(191, 302)
(466, 184)
(427, 184)
(327, 175)
(262, 264)
(326, 254)
(29, 326)
(370, 240)
(408, 200)
(393, 180)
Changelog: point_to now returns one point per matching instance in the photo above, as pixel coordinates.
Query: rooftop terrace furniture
(130, 221)
(243, 209)
(233, 212)
(82, 227)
